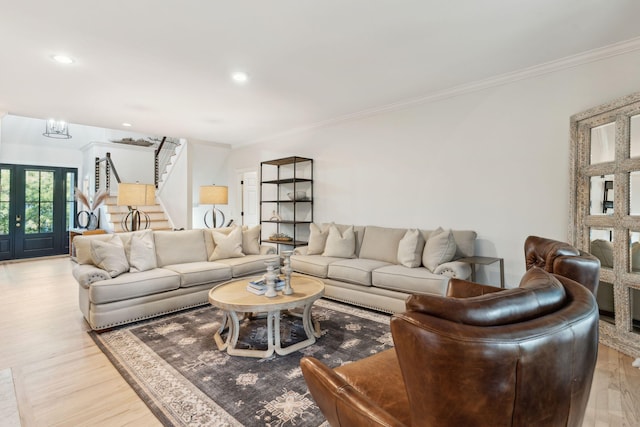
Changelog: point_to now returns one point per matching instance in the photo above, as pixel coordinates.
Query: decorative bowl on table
(297, 195)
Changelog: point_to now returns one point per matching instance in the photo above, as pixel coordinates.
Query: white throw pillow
(142, 252)
(110, 256)
(440, 248)
(340, 245)
(317, 239)
(227, 245)
(251, 241)
(410, 249)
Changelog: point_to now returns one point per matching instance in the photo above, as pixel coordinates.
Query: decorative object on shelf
(271, 277)
(56, 129)
(88, 218)
(297, 195)
(275, 216)
(280, 237)
(214, 195)
(134, 195)
(288, 290)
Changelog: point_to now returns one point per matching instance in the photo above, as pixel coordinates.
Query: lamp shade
(214, 195)
(136, 194)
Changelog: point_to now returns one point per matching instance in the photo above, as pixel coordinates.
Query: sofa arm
(457, 269)
(87, 274)
(267, 250)
(300, 250)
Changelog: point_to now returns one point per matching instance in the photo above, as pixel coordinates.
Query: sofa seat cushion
(410, 280)
(356, 271)
(198, 273)
(248, 264)
(314, 265)
(133, 285)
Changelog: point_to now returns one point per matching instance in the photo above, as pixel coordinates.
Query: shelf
(288, 201)
(289, 243)
(283, 176)
(286, 161)
(287, 181)
(286, 222)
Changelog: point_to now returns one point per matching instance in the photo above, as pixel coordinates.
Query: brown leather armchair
(563, 259)
(481, 356)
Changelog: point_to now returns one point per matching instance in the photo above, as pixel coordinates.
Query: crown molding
(587, 57)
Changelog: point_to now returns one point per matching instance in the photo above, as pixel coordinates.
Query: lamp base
(215, 213)
(135, 220)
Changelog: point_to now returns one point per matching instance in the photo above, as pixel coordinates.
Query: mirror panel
(605, 302)
(634, 300)
(601, 195)
(634, 141)
(634, 193)
(603, 143)
(601, 245)
(634, 251)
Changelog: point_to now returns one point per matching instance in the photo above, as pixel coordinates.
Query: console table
(484, 260)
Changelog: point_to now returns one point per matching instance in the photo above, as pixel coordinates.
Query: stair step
(124, 209)
(153, 224)
(117, 216)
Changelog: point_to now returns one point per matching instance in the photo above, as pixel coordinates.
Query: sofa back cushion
(381, 243)
(178, 247)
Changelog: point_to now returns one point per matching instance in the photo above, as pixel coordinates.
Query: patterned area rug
(174, 365)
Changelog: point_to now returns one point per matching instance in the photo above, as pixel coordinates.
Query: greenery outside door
(37, 208)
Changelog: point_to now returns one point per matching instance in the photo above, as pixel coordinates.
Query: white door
(250, 198)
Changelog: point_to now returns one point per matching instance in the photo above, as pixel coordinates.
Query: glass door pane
(38, 201)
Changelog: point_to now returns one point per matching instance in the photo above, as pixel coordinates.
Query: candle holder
(270, 277)
(288, 290)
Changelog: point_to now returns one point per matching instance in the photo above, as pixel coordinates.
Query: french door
(37, 208)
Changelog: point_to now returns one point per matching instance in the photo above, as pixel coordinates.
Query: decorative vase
(288, 290)
(270, 277)
(86, 219)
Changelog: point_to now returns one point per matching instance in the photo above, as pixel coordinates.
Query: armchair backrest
(563, 259)
(522, 356)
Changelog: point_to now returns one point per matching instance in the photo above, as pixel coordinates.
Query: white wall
(495, 160)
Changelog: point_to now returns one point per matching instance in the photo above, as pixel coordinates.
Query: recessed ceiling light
(62, 59)
(127, 125)
(240, 77)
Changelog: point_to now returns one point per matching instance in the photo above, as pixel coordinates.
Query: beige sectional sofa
(126, 277)
(378, 267)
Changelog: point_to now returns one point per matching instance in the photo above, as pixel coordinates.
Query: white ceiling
(164, 66)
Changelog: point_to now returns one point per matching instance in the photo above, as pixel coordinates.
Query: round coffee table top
(234, 296)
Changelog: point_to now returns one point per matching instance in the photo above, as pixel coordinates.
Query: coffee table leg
(217, 337)
(311, 326)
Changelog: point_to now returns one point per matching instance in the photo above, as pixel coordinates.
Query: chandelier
(56, 129)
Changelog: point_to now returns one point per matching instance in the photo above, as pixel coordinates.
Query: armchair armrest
(465, 289)
(267, 250)
(457, 269)
(300, 250)
(87, 274)
(340, 402)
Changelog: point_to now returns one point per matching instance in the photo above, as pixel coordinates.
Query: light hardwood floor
(63, 379)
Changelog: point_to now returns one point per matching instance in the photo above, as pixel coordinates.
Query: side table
(484, 260)
(73, 232)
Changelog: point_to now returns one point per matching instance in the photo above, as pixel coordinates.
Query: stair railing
(107, 165)
(163, 153)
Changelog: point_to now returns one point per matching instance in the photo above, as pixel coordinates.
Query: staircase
(165, 154)
(114, 215)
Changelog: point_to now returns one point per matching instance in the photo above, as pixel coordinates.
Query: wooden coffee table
(233, 298)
